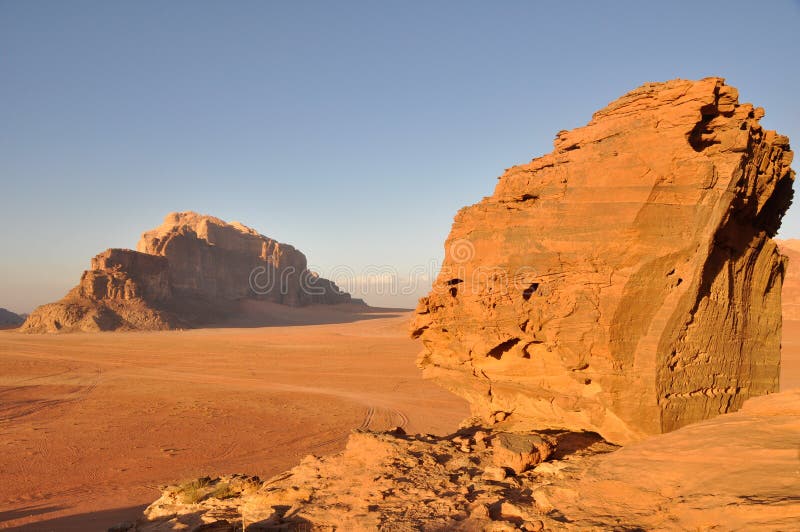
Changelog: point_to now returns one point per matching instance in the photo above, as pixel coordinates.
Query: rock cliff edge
(626, 283)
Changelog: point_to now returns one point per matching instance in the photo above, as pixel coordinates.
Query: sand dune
(92, 424)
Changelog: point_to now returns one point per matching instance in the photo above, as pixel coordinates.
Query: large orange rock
(625, 283)
(190, 271)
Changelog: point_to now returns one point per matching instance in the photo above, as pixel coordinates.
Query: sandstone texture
(625, 283)
(210, 258)
(738, 471)
(734, 472)
(381, 481)
(192, 270)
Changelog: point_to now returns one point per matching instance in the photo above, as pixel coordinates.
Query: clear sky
(352, 130)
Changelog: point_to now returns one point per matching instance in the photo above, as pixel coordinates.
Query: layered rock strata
(625, 283)
(191, 270)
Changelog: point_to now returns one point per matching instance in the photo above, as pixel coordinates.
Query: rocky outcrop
(735, 472)
(210, 258)
(191, 270)
(123, 290)
(625, 283)
(9, 319)
(381, 481)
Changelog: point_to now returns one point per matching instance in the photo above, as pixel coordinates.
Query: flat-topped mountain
(191, 270)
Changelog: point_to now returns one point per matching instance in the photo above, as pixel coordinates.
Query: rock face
(733, 472)
(625, 283)
(213, 259)
(9, 319)
(122, 274)
(190, 270)
(123, 290)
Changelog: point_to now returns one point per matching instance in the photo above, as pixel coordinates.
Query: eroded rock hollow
(625, 283)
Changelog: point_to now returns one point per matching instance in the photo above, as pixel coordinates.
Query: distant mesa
(192, 270)
(10, 319)
(791, 282)
(626, 283)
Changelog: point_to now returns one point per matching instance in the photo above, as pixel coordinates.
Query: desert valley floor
(92, 424)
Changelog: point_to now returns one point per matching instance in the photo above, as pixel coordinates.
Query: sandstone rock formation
(625, 283)
(123, 290)
(213, 259)
(9, 319)
(191, 270)
(734, 472)
(381, 481)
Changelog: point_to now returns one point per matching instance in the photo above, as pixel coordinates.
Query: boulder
(520, 452)
(625, 283)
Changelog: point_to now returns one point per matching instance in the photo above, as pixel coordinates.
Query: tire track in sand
(391, 415)
(77, 386)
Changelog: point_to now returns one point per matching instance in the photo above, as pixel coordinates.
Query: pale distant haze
(352, 130)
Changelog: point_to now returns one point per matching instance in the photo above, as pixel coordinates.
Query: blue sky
(353, 130)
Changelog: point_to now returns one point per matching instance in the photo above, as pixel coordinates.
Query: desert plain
(92, 424)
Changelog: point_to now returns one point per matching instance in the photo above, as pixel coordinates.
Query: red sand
(92, 424)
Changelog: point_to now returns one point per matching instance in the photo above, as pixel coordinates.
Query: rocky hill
(192, 270)
(625, 283)
(9, 319)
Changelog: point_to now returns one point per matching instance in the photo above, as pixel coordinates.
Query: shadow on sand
(87, 522)
(254, 314)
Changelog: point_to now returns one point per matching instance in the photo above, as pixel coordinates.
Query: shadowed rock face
(190, 270)
(9, 319)
(210, 258)
(124, 275)
(625, 283)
